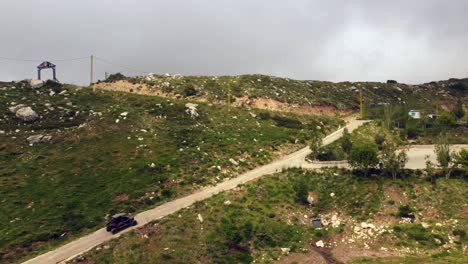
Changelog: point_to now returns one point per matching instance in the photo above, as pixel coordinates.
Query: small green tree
(316, 144)
(442, 150)
(445, 119)
(346, 144)
(461, 159)
(430, 168)
(458, 111)
(363, 157)
(392, 162)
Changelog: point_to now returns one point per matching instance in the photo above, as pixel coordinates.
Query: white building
(415, 114)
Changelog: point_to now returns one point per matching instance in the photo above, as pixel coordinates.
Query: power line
(35, 60)
(118, 65)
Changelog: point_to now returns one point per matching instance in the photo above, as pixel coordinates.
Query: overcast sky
(369, 40)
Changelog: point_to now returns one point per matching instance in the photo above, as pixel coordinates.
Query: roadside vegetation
(111, 152)
(270, 220)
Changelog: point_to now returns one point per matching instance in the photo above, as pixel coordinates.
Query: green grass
(264, 216)
(52, 192)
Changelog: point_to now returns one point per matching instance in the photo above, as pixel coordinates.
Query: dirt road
(100, 236)
(417, 155)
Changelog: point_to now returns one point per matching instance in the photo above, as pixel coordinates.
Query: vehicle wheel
(134, 223)
(114, 231)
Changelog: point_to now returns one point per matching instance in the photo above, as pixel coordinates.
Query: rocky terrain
(283, 94)
(70, 157)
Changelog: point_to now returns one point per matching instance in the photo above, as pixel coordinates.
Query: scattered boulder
(15, 108)
(285, 251)
(391, 81)
(36, 84)
(24, 113)
(192, 110)
(320, 243)
(227, 202)
(38, 139)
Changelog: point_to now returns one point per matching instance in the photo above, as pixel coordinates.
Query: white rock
(15, 108)
(285, 250)
(124, 114)
(152, 165)
(35, 84)
(192, 110)
(38, 138)
(234, 162)
(200, 218)
(117, 121)
(227, 202)
(320, 243)
(332, 194)
(27, 114)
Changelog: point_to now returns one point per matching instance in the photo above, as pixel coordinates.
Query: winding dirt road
(83, 244)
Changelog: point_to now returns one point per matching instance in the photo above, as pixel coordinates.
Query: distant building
(415, 114)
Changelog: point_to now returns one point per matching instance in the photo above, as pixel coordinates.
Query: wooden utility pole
(91, 72)
(361, 107)
(229, 96)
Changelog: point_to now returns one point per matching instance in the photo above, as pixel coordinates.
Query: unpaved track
(100, 236)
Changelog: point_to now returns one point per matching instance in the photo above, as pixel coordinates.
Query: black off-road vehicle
(120, 222)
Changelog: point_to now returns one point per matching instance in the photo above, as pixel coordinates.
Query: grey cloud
(411, 41)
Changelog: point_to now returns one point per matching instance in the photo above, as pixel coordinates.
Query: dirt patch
(121, 197)
(347, 254)
(260, 103)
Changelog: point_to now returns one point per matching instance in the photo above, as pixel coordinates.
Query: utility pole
(91, 72)
(229, 95)
(361, 107)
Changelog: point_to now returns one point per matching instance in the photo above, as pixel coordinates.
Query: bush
(116, 77)
(264, 116)
(445, 119)
(405, 211)
(287, 122)
(189, 91)
(379, 140)
(346, 144)
(363, 157)
(458, 111)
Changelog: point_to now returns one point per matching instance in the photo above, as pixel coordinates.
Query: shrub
(189, 91)
(287, 122)
(363, 157)
(393, 163)
(442, 150)
(405, 211)
(346, 144)
(445, 119)
(264, 116)
(379, 140)
(316, 144)
(461, 159)
(458, 111)
(116, 77)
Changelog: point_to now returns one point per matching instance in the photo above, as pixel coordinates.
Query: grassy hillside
(261, 222)
(112, 152)
(343, 95)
